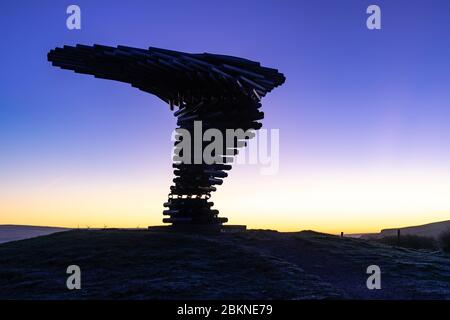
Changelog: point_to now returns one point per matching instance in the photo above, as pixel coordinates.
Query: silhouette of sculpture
(223, 92)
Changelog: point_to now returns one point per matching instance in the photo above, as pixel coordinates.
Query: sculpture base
(200, 228)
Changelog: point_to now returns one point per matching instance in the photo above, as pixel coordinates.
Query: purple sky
(354, 100)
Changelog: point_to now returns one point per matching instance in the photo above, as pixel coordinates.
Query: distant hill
(257, 264)
(10, 232)
(431, 230)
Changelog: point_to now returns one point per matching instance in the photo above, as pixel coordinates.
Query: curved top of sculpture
(173, 76)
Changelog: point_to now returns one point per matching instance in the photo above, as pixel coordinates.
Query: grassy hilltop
(120, 264)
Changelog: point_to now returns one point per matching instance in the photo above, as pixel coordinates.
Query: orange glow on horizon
(352, 202)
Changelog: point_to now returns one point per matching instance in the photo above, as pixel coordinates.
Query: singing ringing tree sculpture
(223, 92)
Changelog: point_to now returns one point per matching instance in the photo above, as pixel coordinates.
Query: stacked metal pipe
(223, 92)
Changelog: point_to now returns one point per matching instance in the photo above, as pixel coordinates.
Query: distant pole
(398, 237)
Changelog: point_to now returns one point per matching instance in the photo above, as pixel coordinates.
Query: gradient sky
(363, 116)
